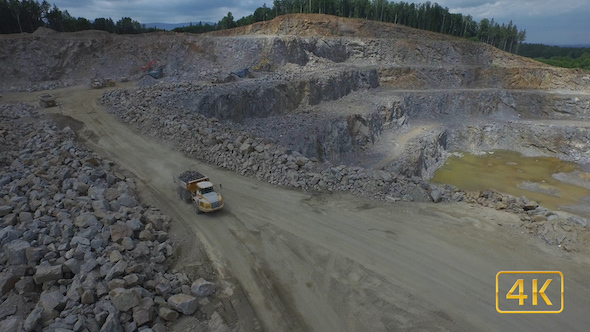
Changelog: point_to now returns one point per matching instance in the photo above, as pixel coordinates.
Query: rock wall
(216, 143)
(449, 76)
(252, 97)
(423, 156)
(47, 59)
(458, 105)
(564, 141)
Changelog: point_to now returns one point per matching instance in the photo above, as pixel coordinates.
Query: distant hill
(170, 26)
(576, 46)
(548, 52)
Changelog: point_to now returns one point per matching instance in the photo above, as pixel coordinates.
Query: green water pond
(512, 173)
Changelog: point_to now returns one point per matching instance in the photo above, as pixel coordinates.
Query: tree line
(426, 16)
(27, 15)
(18, 16)
(568, 57)
(548, 52)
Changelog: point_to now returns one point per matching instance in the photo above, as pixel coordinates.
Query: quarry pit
(326, 134)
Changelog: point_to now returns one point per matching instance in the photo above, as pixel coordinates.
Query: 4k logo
(545, 295)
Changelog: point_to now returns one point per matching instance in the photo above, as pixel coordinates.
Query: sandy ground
(333, 262)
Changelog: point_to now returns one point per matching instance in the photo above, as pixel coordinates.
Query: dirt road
(338, 263)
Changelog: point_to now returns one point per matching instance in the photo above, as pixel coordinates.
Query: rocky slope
(79, 251)
(46, 58)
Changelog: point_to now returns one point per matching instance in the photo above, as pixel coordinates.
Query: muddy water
(510, 172)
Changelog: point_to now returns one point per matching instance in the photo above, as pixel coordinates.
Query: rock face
(72, 256)
(248, 155)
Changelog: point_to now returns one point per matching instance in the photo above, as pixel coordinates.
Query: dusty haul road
(333, 262)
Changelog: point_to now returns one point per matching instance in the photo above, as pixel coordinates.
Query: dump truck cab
(47, 100)
(206, 198)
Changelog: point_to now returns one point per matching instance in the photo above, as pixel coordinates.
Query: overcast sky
(563, 22)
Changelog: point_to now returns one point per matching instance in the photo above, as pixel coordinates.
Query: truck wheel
(187, 196)
(197, 209)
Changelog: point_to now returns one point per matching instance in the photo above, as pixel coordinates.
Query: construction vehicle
(196, 188)
(154, 69)
(149, 66)
(46, 100)
(98, 82)
(157, 73)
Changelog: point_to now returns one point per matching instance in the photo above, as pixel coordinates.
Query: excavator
(154, 69)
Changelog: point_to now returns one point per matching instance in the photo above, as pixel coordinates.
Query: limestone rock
(8, 306)
(141, 315)
(15, 252)
(184, 303)
(112, 324)
(124, 299)
(5, 209)
(119, 232)
(54, 300)
(436, 196)
(167, 314)
(127, 200)
(9, 277)
(12, 324)
(202, 288)
(33, 319)
(48, 273)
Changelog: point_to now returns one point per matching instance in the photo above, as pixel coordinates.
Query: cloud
(169, 11)
(516, 9)
(546, 21)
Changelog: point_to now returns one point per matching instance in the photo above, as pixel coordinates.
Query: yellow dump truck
(196, 188)
(98, 83)
(47, 100)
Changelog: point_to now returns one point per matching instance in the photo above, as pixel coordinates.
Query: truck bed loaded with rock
(196, 188)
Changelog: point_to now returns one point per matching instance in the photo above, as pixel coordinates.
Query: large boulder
(124, 299)
(48, 273)
(167, 314)
(54, 300)
(184, 303)
(8, 234)
(119, 232)
(202, 288)
(127, 200)
(33, 319)
(5, 209)
(9, 277)
(436, 196)
(8, 306)
(12, 324)
(112, 324)
(15, 252)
